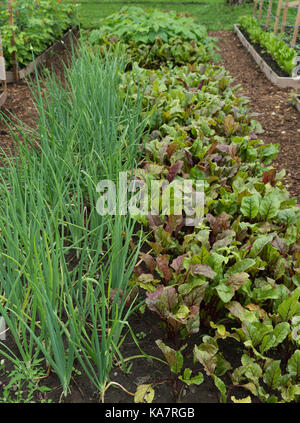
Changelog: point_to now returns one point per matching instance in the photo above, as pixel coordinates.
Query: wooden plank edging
(30, 68)
(298, 103)
(279, 81)
(3, 97)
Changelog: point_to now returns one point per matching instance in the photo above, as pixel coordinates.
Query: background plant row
(37, 24)
(283, 54)
(238, 272)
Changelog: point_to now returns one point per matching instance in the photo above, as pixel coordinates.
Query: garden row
(70, 278)
(238, 271)
(29, 28)
(284, 55)
(275, 57)
(274, 53)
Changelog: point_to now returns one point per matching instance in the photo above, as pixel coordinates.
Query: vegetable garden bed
(283, 82)
(73, 279)
(28, 29)
(40, 60)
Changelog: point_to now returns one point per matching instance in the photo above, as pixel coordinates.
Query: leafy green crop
(144, 26)
(277, 48)
(36, 25)
(243, 260)
(153, 37)
(238, 271)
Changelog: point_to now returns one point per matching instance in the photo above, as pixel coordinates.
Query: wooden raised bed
(298, 103)
(3, 97)
(40, 60)
(282, 82)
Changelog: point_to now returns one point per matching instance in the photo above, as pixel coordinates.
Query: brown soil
(281, 123)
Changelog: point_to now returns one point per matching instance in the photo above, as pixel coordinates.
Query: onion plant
(64, 269)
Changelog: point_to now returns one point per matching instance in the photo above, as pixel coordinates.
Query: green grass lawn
(215, 14)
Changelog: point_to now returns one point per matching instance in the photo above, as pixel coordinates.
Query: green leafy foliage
(144, 26)
(174, 358)
(36, 25)
(277, 48)
(23, 383)
(153, 38)
(232, 276)
(242, 261)
(243, 248)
